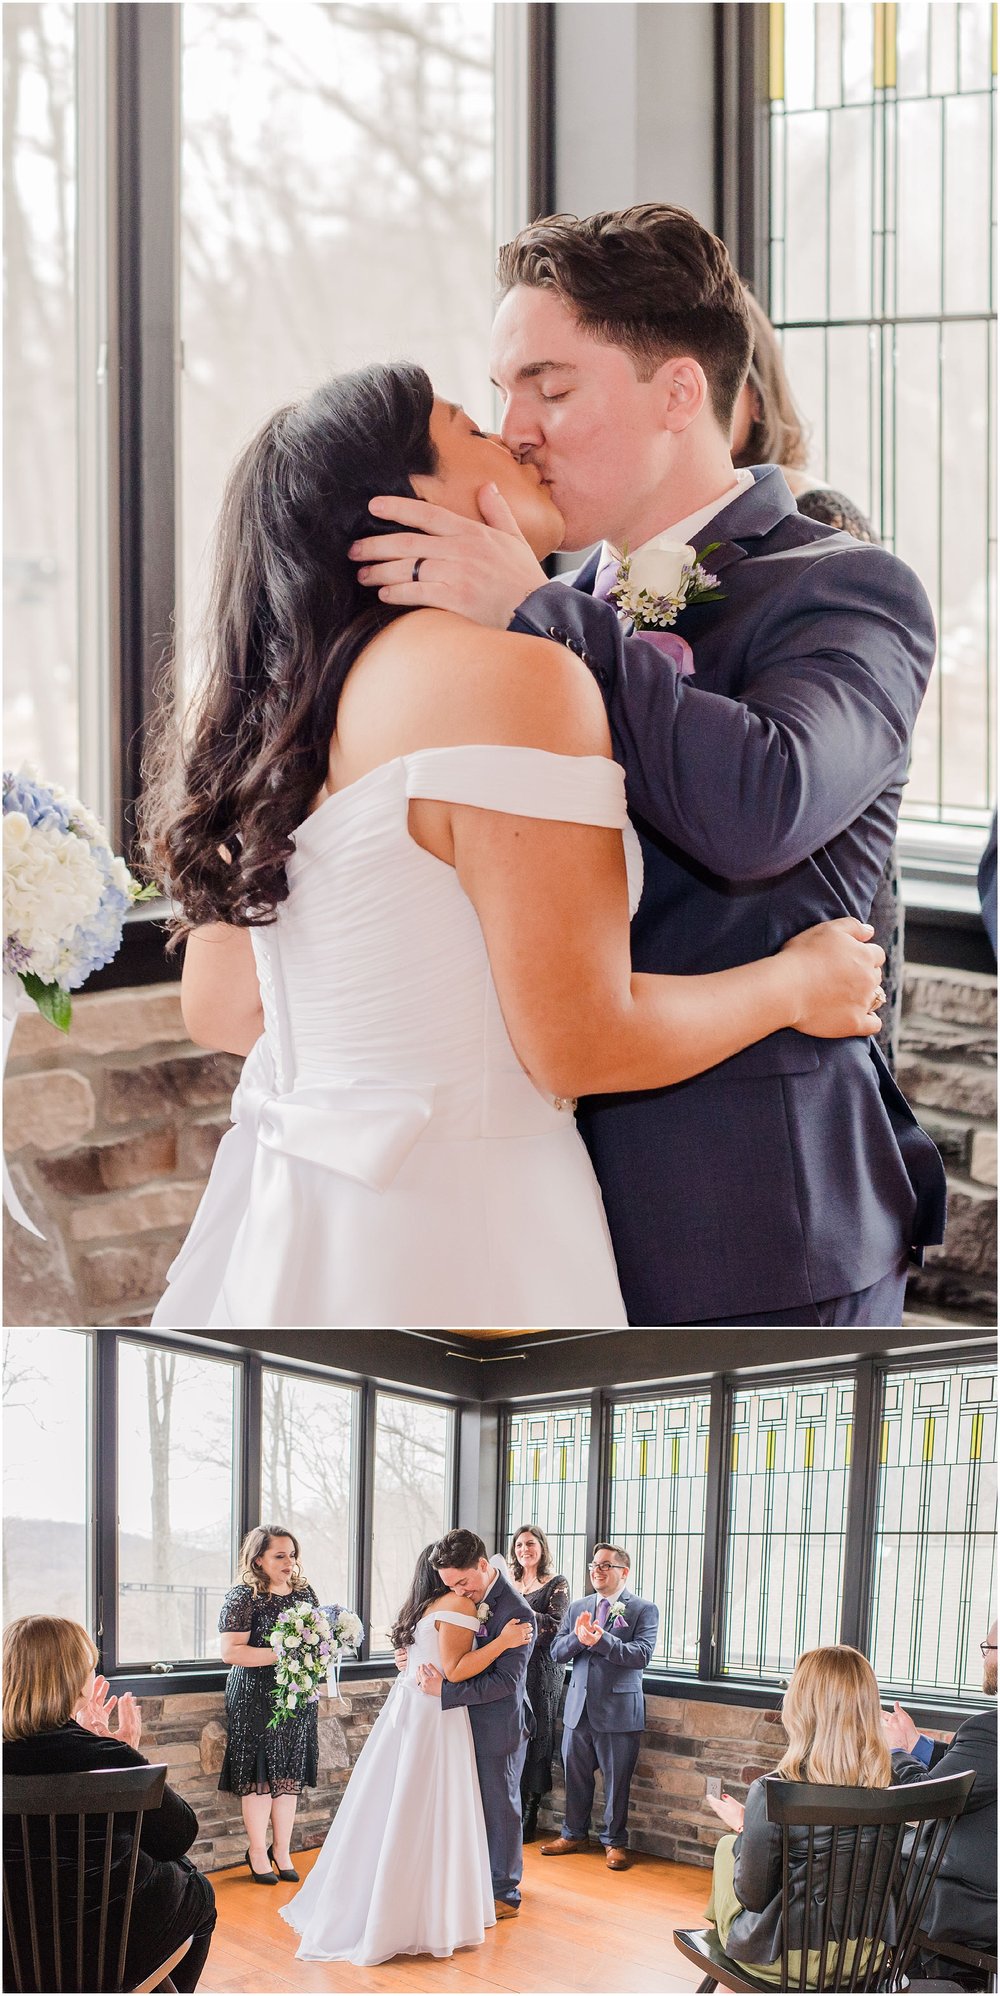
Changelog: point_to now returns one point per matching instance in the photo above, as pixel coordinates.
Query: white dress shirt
(684, 531)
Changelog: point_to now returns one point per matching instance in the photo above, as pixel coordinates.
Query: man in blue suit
(499, 1709)
(609, 1638)
(790, 1184)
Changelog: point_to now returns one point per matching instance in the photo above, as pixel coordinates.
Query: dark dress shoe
(290, 1877)
(260, 1877)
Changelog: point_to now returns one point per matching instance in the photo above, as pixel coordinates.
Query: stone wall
(685, 1741)
(948, 1071)
(111, 1132)
(188, 1733)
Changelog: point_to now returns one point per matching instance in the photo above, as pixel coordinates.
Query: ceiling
(501, 1334)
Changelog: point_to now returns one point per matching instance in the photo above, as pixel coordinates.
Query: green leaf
(150, 893)
(53, 1002)
(702, 552)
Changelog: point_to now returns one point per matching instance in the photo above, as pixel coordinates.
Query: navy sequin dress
(259, 1762)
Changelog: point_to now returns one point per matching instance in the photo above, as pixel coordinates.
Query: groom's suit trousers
(500, 1786)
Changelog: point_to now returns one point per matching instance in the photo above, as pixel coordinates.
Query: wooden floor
(581, 1929)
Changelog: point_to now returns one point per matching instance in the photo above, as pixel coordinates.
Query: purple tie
(603, 1611)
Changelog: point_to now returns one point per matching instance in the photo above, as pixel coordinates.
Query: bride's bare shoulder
(453, 1604)
(454, 682)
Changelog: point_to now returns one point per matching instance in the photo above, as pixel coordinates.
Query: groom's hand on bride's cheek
(480, 569)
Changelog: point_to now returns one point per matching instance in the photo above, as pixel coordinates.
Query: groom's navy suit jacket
(606, 1685)
(765, 788)
(499, 1707)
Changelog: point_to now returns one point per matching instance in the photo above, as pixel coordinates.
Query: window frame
(153, 1677)
(868, 1375)
(938, 861)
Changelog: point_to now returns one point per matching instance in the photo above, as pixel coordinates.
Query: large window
(548, 1452)
(790, 1453)
(177, 1500)
(47, 1474)
(413, 1499)
(882, 279)
(935, 1545)
(658, 1474)
(309, 1480)
(367, 236)
(209, 209)
(40, 403)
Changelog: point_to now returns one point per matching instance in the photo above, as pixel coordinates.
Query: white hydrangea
(52, 884)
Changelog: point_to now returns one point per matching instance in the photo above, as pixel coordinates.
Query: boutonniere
(618, 1615)
(653, 586)
(483, 1613)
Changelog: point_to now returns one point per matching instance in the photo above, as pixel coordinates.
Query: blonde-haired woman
(267, 1770)
(56, 1720)
(832, 1716)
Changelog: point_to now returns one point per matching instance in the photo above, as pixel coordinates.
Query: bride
(405, 871)
(405, 1868)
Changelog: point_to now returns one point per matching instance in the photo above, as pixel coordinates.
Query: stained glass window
(548, 1453)
(789, 1462)
(934, 1544)
(658, 1468)
(882, 259)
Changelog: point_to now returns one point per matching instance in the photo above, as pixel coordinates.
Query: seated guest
(56, 1720)
(833, 1719)
(963, 1903)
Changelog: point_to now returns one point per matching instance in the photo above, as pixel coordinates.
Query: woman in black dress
(267, 1770)
(547, 1593)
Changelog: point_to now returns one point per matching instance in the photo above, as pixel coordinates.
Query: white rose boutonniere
(654, 585)
(483, 1612)
(618, 1615)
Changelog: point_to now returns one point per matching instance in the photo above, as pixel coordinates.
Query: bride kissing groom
(399, 845)
(424, 1853)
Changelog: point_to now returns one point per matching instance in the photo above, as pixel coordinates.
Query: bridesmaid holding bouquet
(267, 1767)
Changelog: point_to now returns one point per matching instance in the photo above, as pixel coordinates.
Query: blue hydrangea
(96, 939)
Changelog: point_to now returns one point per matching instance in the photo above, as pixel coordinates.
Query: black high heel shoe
(291, 1876)
(259, 1877)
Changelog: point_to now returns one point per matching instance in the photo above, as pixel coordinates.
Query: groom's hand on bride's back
(481, 570)
(840, 993)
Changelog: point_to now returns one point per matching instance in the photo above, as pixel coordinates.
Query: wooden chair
(889, 1873)
(54, 1882)
(967, 1957)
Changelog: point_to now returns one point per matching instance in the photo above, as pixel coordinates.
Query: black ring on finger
(418, 564)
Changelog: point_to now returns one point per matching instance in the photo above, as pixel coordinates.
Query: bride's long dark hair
(425, 1587)
(288, 618)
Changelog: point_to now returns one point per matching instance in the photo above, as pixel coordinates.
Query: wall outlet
(713, 1785)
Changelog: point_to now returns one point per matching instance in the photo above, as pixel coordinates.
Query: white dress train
(390, 1161)
(405, 1868)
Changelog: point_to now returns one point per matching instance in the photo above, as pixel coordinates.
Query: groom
(790, 1184)
(498, 1705)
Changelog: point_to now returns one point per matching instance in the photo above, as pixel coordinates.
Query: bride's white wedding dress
(405, 1868)
(390, 1160)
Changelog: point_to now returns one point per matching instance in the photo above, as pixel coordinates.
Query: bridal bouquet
(346, 1632)
(302, 1642)
(65, 894)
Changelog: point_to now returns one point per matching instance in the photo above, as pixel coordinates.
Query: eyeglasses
(605, 1566)
(987, 1647)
